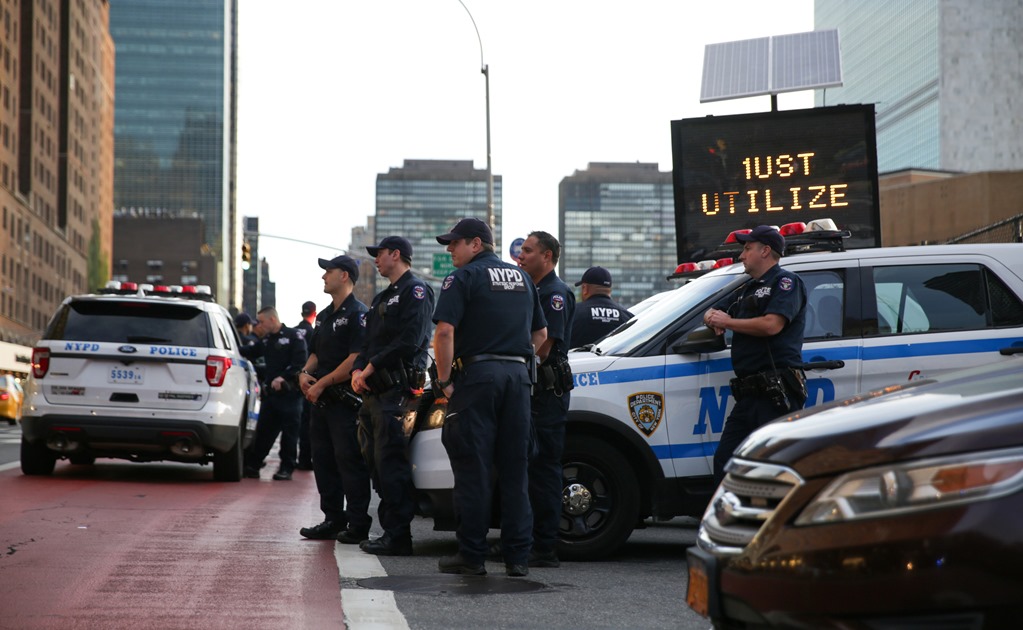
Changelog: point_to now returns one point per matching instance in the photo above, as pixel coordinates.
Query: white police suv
(140, 373)
(650, 399)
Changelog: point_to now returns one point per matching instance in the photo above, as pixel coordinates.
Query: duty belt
(462, 362)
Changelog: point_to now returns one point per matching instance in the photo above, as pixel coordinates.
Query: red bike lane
(162, 546)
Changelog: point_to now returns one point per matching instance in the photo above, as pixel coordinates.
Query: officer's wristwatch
(443, 384)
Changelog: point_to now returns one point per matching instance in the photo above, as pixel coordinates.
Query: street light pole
(485, 69)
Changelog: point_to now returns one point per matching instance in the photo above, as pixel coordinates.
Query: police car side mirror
(702, 340)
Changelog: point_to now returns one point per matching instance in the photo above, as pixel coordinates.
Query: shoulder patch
(785, 284)
(557, 302)
(447, 282)
(362, 319)
(418, 292)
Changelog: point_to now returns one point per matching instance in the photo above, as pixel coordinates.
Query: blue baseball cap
(767, 235)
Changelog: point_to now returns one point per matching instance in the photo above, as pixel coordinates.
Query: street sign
(442, 265)
(516, 248)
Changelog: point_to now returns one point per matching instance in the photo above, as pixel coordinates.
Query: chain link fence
(1006, 231)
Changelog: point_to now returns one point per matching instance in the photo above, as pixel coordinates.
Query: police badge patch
(447, 282)
(557, 302)
(646, 409)
(785, 284)
(418, 292)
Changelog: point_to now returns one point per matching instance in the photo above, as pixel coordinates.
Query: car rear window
(131, 322)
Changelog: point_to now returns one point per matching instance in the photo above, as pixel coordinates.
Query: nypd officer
(285, 354)
(389, 373)
(305, 328)
(340, 472)
(767, 318)
(598, 314)
(549, 404)
(489, 324)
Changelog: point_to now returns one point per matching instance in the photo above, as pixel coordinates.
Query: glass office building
(621, 217)
(425, 198)
(945, 77)
(175, 119)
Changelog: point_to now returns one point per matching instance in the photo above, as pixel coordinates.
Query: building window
(154, 265)
(189, 280)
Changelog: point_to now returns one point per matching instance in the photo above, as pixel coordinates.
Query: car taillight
(216, 370)
(40, 362)
(4, 395)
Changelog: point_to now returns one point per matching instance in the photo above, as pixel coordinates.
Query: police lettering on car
(489, 323)
(390, 372)
(342, 477)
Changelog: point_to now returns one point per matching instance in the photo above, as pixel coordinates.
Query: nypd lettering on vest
(604, 314)
(506, 279)
(646, 409)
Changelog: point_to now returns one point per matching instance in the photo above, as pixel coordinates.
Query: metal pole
(485, 69)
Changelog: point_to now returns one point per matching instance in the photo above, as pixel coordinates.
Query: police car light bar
(194, 292)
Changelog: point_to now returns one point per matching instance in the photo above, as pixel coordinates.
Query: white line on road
(366, 609)
(9, 466)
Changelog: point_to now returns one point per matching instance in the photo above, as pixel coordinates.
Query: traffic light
(246, 255)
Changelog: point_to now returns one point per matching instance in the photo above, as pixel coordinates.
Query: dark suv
(892, 509)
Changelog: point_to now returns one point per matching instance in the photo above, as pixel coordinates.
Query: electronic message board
(735, 172)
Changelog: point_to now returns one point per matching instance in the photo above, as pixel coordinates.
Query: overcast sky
(332, 92)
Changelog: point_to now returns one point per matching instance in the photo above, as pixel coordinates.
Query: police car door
(935, 314)
(832, 340)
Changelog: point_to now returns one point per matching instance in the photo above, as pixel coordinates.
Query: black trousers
(278, 415)
(549, 414)
(342, 477)
(382, 435)
(486, 431)
(749, 414)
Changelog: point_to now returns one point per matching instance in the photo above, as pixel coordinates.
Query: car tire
(228, 466)
(36, 459)
(601, 499)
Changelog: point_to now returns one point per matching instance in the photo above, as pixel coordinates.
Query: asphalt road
(120, 545)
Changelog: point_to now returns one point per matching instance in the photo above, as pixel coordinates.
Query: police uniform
(305, 460)
(285, 354)
(595, 317)
(397, 338)
(780, 292)
(549, 412)
(341, 473)
(494, 309)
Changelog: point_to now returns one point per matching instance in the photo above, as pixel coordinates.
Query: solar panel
(770, 65)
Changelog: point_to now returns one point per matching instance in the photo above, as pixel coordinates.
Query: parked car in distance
(143, 375)
(11, 398)
(897, 508)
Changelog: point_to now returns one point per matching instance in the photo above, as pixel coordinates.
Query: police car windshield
(662, 313)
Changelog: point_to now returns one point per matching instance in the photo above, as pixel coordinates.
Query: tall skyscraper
(56, 158)
(621, 217)
(175, 132)
(425, 198)
(946, 77)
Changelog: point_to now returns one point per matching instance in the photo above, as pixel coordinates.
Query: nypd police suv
(141, 373)
(650, 400)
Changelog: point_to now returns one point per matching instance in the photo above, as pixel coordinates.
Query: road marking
(366, 609)
(9, 466)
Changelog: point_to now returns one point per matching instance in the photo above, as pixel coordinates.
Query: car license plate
(126, 376)
(696, 590)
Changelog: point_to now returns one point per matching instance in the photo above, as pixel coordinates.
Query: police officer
(549, 404)
(251, 347)
(338, 466)
(389, 373)
(285, 354)
(767, 318)
(305, 328)
(598, 314)
(489, 323)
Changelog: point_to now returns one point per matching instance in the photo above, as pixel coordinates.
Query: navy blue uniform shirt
(338, 333)
(595, 317)
(558, 304)
(493, 306)
(398, 326)
(780, 292)
(285, 354)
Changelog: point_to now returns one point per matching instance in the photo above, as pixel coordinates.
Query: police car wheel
(36, 459)
(600, 501)
(228, 466)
